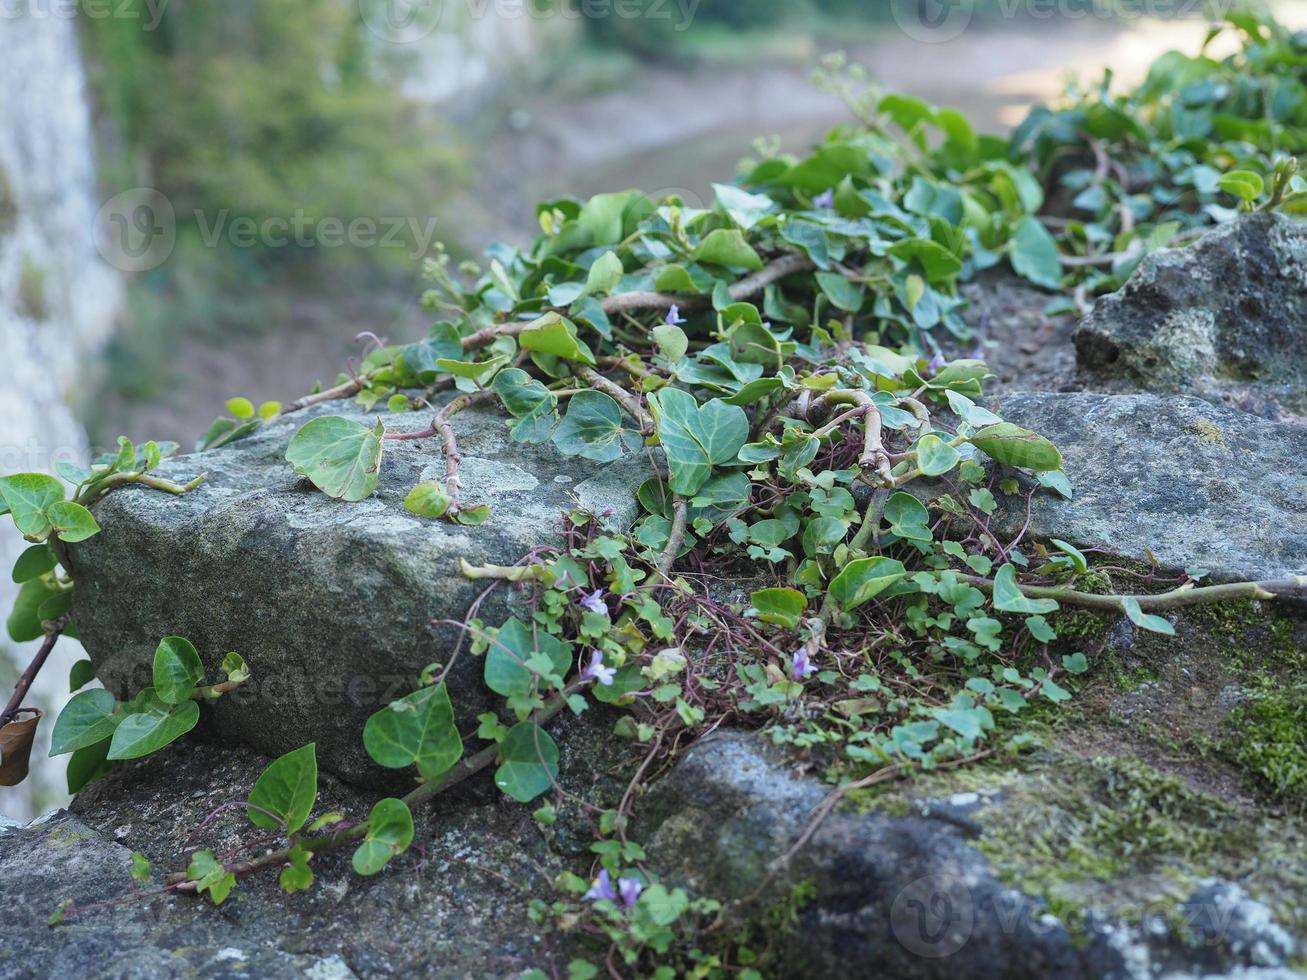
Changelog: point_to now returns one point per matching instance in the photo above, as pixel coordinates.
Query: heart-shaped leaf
(592, 428)
(415, 730)
(936, 457)
(341, 456)
(177, 669)
(28, 496)
(152, 727)
(288, 788)
(1146, 621)
(1008, 597)
(530, 762)
(389, 834)
(516, 655)
(782, 607)
(864, 579)
(87, 718)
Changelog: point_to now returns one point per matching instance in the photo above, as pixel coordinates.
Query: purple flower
(826, 200)
(601, 889)
(936, 363)
(630, 889)
(674, 318)
(596, 671)
(803, 666)
(595, 602)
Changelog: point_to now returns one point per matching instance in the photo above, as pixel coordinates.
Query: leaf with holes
(341, 456)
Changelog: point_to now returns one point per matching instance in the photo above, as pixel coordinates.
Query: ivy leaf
(530, 762)
(152, 727)
(864, 579)
(843, 294)
(1145, 621)
(908, 517)
(672, 342)
(389, 834)
(33, 563)
(416, 730)
(936, 457)
(939, 264)
(781, 607)
(556, 335)
(80, 674)
(506, 670)
(1035, 255)
(287, 788)
(728, 247)
(341, 456)
(177, 669)
(1014, 446)
(696, 438)
(1076, 663)
(24, 622)
(87, 719)
(592, 428)
(297, 876)
(606, 273)
(210, 876)
(71, 521)
(1008, 596)
(1243, 184)
(87, 765)
(28, 496)
(429, 499)
(532, 405)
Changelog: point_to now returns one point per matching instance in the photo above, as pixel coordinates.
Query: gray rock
(337, 607)
(909, 895)
(1223, 319)
(1195, 483)
(454, 906)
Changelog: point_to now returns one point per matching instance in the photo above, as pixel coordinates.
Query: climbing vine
(779, 359)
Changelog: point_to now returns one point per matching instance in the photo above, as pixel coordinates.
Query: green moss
(1253, 638)
(1269, 739)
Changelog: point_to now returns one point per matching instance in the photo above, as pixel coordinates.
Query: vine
(779, 359)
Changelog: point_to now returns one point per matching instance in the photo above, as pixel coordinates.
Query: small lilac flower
(630, 889)
(596, 671)
(936, 363)
(595, 602)
(803, 666)
(674, 318)
(825, 200)
(601, 889)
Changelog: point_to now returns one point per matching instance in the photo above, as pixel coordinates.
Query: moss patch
(1268, 737)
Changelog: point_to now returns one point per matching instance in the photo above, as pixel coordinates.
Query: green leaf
(1035, 255)
(530, 762)
(87, 719)
(341, 456)
(1014, 446)
(781, 607)
(936, 457)
(157, 724)
(416, 730)
(1008, 596)
(939, 264)
(556, 335)
(1243, 184)
(592, 428)
(908, 517)
(287, 788)
(606, 273)
(234, 666)
(24, 622)
(210, 876)
(34, 562)
(296, 876)
(241, 408)
(80, 674)
(87, 765)
(864, 579)
(389, 834)
(1145, 621)
(532, 405)
(140, 866)
(1075, 663)
(429, 499)
(843, 294)
(728, 247)
(695, 438)
(28, 496)
(1078, 561)
(516, 644)
(672, 342)
(177, 669)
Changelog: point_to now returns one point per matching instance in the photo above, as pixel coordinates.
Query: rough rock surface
(908, 892)
(332, 604)
(1222, 319)
(1197, 484)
